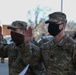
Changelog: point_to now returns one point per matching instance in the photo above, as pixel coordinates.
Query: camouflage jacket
(21, 56)
(60, 58)
(3, 42)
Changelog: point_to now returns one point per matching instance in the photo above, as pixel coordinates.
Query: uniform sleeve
(36, 54)
(30, 54)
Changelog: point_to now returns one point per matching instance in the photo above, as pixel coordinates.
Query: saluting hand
(28, 35)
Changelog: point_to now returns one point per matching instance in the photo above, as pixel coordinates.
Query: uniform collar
(62, 41)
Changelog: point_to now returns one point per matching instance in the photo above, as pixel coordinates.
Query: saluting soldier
(22, 52)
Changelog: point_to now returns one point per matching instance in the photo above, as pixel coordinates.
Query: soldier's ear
(64, 25)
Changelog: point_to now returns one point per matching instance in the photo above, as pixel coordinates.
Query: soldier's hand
(28, 35)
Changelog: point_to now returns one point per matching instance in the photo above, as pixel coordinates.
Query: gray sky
(11, 10)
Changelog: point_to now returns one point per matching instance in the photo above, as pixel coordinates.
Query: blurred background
(35, 13)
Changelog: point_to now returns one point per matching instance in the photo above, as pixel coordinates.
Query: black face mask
(53, 29)
(17, 38)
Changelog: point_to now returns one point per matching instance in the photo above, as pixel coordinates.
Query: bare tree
(71, 26)
(37, 15)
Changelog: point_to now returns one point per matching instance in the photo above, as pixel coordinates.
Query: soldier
(34, 41)
(73, 36)
(22, 52)
(59, 55)
(44, 38)
(4, 42)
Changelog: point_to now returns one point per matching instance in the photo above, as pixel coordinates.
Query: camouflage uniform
(4, 42)
(60, 59)
(20, 56)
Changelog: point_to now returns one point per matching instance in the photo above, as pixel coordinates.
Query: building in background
(5, 31)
